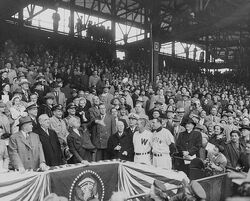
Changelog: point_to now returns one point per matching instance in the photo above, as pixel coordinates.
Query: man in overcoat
(25, 148)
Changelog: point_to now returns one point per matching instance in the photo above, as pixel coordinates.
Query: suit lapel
(24, 140)
(75, 134)
(235, 149)
(106, 119)
(44, 133)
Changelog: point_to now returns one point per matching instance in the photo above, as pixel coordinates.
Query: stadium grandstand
(124, 100)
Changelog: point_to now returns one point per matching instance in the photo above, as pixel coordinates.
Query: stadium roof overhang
(220, 25)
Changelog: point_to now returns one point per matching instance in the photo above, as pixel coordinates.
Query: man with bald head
(50, 142)
(120, 145)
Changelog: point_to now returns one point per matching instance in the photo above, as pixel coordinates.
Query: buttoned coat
(190, 142)
(94, 113)
(244, 161)
(51, 147)
(100, 133)
(59, 126)
(126, 143)
(27, 153)
(80, 146)
(232, 153)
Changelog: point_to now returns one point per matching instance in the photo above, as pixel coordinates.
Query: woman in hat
(5, 93)
(79, 142)
(17, 110)
(218, 137)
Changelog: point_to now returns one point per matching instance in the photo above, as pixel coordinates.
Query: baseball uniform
(161, 140)
(142, 147)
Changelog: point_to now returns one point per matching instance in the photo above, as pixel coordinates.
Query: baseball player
(142, 143)
(161, 142)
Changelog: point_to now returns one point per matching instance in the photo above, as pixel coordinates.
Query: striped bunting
(132, 178)
(29, 186)
(137, 178)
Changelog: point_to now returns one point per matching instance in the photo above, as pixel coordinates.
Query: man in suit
(32, 112)
(50, 142)
(94, 111)
(25, 148)
(120, 145)
(133, 118)
(107, 96)
(184, 103)
(177, 127)
(58, 125)
(233, 148)
(24, 84)
(213, 116)
(169, 121)
(102, 127)
(59, 97)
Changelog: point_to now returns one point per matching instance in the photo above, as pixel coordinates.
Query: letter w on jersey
(144, 141)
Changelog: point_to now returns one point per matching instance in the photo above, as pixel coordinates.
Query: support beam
(207, 50)
(35, 14)
(72, 18)
(113, 26)
(146, 22)
(155, 25)
(20, 17)
(95, 13)
(173, 48)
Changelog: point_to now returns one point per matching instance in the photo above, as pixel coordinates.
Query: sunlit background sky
(44, 20)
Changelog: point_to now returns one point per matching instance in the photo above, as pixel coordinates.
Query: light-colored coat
(26, 153)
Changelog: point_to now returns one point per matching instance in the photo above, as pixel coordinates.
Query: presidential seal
(87, 186)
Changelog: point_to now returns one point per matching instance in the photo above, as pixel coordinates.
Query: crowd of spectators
(60, 107)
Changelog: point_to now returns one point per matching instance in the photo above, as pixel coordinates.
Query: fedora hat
(24, 120)
(190, 121)
(24, 81)
(180, 110)
(158, 102)
(71, 106)
(49, 96)
(57, 107)
(31, 106)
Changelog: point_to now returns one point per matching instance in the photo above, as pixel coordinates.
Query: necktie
(57, 97)
(26, 95)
